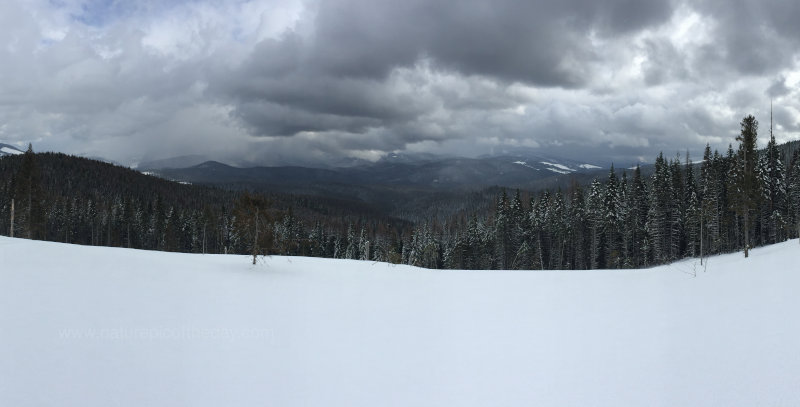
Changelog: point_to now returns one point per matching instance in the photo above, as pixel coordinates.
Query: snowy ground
(86, 326)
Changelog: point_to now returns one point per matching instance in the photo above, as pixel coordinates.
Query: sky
(314, 82)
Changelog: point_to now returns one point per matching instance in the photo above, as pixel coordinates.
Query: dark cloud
(753, 37)
(539, 42)
(743, 98)
(664, 63)
(778, 88)
(787, 120)
(294, 81)
(340, 75)
(272, 119)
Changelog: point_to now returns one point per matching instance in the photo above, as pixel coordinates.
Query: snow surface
(90, 326)
(559, 166)
(524, 164)
(589, 166)
(10, 151)
(559, 171)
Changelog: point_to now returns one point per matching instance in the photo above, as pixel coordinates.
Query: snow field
(90, 326)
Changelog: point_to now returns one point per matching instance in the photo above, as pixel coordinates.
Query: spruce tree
(611, 221)
(536, 225)
(773, 183)
(578, 230)
(557, 229)
(709, 203)
(28, 196)
(659, 217)
(594, 217)
(693, 210)
(517, 226)
(636, 232)
(677, 210)
(794, 190)
(747, 194)
(503, 227)
(730, 231)
(623, 217)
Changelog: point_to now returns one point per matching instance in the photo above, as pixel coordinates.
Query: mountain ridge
(8, 149)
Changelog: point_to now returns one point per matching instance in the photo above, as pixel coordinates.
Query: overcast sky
(310, 82)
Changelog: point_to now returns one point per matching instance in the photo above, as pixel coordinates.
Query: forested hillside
(77, 200)
(629, 220)
(731, 201)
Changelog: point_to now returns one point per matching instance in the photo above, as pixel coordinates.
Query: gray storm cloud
(311, 82)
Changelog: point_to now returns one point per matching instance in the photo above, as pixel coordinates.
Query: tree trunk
(255, 239)
(746, 236)
(11, 231)
(30, 211)
(701, 239)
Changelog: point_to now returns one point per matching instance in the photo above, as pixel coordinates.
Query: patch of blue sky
(99, 13)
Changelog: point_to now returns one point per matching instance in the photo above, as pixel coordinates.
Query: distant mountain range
(172, 162)
(408, 186)
(399, 170)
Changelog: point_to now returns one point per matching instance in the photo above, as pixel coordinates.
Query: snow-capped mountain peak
(555, 166)
(7, 149)
(589, 167)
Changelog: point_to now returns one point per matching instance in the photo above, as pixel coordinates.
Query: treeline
(76, 200)
(730, 201)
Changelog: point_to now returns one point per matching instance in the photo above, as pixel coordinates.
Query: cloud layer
(313, 82)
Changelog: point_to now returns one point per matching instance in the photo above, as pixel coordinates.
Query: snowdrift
(90, 326)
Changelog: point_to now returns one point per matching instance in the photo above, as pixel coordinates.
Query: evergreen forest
(730, 201)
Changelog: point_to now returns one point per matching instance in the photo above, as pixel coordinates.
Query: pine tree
(503, 229)
(28, 196)
(773, 182)
(636, 220)
(425, 251)
(578, 230)
(730, 235)
(472, 243)
(659, 217)
(624, 211)
(612, 221)
(363, 245)
(747, 194)
(517, 225)
(536, 227)
(594, 217)
(677, 210)
(709, 203)
(692, 216)
(793, 192)
(556, 226)
(351, 248)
